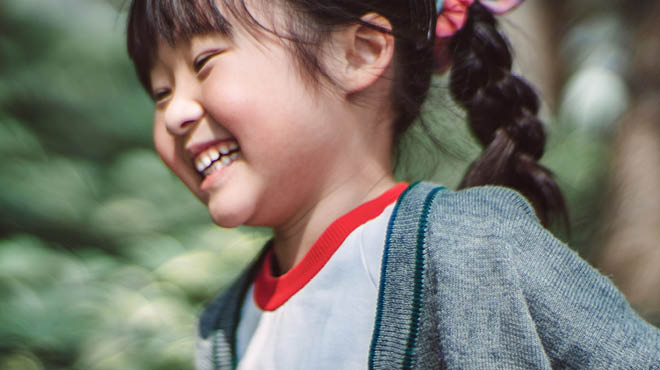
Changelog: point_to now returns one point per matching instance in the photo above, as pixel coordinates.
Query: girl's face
(237, 123)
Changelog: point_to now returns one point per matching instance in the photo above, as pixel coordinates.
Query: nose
(182, 114)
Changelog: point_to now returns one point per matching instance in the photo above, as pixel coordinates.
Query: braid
(502, 113)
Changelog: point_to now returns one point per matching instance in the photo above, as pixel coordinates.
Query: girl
(287, 114)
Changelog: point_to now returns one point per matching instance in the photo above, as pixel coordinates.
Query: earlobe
(368, 52)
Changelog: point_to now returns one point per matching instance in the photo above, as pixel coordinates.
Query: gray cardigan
(470, 280)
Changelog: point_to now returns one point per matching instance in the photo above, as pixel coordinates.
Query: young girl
(287, 114)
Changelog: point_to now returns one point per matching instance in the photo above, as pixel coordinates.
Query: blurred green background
(106, 259)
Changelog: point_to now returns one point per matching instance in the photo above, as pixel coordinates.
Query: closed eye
(204, 58)
(160, 95)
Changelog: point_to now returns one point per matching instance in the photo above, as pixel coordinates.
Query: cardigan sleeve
(510, 295)
(582, 319)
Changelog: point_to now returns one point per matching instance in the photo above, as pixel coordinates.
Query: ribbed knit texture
(497, 291)
(402, 279)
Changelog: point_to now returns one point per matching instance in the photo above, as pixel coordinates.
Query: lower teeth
(223, 161)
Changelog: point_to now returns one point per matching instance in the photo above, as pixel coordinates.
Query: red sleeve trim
(272, 292)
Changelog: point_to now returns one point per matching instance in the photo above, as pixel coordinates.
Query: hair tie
(452, 14)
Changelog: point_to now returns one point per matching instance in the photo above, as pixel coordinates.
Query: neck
(361, 171)
(292, 241)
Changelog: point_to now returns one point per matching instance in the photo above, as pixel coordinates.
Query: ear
(366, 52)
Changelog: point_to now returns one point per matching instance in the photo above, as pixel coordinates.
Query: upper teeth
(225, 153)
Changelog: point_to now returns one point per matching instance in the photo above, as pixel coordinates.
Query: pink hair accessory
(501, 6)
(453, 15)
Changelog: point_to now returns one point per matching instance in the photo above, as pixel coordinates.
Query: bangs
(169, 20)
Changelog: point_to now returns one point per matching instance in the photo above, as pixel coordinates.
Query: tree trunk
(533, 37)
(631, 234)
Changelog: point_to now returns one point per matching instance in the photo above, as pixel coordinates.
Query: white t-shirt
(320, 314)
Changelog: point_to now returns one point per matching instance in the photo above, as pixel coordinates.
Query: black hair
(501, 107)
(502, 111)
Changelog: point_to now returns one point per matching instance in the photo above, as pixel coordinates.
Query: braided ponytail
(502, 113)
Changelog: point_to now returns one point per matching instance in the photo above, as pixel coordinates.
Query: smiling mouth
(216, 157)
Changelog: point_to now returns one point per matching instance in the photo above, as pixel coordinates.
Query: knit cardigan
(470, 280)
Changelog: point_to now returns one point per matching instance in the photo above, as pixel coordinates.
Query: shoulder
(490, 212)
(479, 204)
(483, 228)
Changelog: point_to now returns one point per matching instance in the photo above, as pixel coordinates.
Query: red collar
(271, 292)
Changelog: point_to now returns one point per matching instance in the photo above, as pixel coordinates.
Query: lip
(217, 178)
(193, 150)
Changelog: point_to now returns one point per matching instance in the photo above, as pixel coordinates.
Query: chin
(229, 214)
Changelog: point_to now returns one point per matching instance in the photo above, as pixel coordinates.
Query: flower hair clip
(452, 14)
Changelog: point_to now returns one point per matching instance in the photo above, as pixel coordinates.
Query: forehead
(176, 20)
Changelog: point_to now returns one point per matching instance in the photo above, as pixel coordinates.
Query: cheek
(170, 152)
(230, 101)
(249, 89)
(165, 146)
